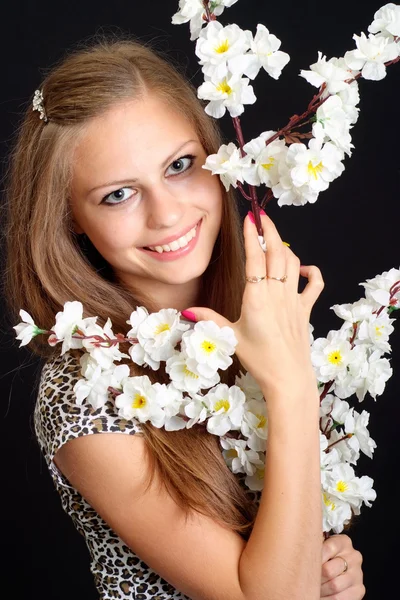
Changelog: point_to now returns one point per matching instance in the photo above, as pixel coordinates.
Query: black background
(351, 233)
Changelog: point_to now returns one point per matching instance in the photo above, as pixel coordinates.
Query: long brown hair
(47, 265)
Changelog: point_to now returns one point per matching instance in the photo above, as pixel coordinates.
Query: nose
(165, 209)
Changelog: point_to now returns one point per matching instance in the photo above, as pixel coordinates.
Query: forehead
(132, 130)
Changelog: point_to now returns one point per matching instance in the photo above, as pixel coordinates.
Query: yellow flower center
(341, 486)
(315, 170)
(223, 47)
(260, 473)
(190, 374)
(335, 357)
(378, 330)
(139, 401)
(269, 164)
(232, 453)
(224, 87)
(162, 327)
(261, 421)
(222, 404)
(328, 502)
(208, 346)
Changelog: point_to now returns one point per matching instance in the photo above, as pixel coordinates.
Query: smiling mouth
(177, 244)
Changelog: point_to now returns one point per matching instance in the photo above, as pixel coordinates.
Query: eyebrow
(125, 181)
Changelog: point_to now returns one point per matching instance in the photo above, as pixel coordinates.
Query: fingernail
(301, 266)
(251, 216)
(262, 212)
(187, 314)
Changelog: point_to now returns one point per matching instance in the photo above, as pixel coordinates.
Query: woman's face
(140, 194)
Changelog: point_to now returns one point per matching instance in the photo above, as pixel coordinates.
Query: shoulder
(58, 418)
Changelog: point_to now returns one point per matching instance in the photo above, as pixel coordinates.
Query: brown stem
(345, 437)
(242, 191)
(326, 389)
(255, 206)
(267, 198)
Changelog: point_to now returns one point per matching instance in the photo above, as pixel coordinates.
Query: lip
(175, 254)
(172, 238)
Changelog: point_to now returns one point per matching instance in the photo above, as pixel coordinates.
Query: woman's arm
(202, 559)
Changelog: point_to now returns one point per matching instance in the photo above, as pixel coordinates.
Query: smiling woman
(118, 159)
(165, 196)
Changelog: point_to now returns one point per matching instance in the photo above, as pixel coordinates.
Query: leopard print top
(117, 571)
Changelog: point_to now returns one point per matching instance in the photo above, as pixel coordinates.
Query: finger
(200, 313)
(255, 257)
(336, 544)
(314, 286)
(333, 568)
(292, 270)
(355, 592)
(276, 255)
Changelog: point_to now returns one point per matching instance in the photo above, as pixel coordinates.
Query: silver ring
(346, 566)
(282, 279)
(255, 279)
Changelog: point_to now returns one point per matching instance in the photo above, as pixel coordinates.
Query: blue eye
(182, 164)
(118, 195)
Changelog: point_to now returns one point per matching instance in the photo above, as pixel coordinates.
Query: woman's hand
(273, 328)
(336, 583)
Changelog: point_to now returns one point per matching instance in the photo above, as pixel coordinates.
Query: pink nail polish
(262, 212)
(187, 314)
(251, 216)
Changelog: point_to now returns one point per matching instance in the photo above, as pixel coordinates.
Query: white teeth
(176, 244)
(182, 242)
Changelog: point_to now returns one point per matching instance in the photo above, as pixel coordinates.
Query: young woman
(100, 189)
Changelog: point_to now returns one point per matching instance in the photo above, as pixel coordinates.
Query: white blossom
(170, 400)
(345, 486)
(350, 98)
(371, 55)
(193, 11)
(254, 424)
(93, 388)
(379, 372)
(196, 409)
(211, 346)
(238, 457)
(225, 407)
(228, 164)
(103, 354)
(139, 401)
(185, 375)
(27, 329)
(249, 386)
(376, 331)
(386, 20)
(356, 424)
(226, 90)
(264, 54)
(330, 356)
(354, 312)
(265, 169)
(256, 482)
(316, 166)
(218, 44)
(378, 288)
(336, 513)
(332, 124)
(328, 72)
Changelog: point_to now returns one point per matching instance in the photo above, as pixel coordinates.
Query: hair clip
(38, 104)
